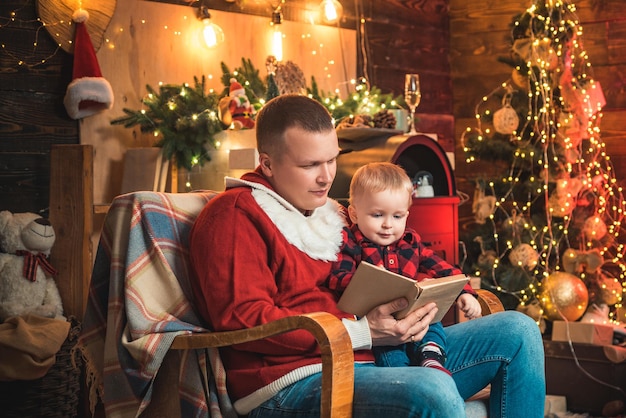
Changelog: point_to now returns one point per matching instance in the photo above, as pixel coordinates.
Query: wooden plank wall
(399, 37)
(396, 37)
(411, 37)
(166, 49)
(32, 116)
(479, 33)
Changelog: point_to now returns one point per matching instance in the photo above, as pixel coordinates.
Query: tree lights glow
(557, 198)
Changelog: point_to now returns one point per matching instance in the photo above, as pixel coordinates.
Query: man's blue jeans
(503, 349)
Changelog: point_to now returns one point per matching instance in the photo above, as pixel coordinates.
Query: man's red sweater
(248, 271)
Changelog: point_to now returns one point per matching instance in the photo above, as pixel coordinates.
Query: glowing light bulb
(277, 35)
(212, 34)
(331, 11)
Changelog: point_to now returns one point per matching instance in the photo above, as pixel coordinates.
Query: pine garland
(363, 101)
(184, 118)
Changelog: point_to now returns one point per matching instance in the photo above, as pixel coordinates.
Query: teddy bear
(26, 277)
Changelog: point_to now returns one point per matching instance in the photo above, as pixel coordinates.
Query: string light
(212, 34)
(28, 61)
(277, 34)
(331, 11)
(564, 104)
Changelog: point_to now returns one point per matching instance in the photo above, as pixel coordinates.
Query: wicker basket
(54, 395)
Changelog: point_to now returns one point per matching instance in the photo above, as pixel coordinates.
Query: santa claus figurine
(239, 107)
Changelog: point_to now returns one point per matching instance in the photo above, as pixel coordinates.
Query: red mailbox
(434, 218)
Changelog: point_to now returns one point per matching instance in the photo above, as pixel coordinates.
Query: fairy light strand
(31, 60)
(573, 168)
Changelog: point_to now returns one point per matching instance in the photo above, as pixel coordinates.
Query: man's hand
(386, 330)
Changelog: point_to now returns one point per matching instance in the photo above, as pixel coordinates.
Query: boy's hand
(469, 305)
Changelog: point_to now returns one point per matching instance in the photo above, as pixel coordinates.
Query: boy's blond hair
(376, 177)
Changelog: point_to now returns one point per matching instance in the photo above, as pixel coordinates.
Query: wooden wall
(397, 36)
(412, 37)
(152, 42)
(479, 33)
(394, 37)
(453, 44)
(32, 116)
(144, 54)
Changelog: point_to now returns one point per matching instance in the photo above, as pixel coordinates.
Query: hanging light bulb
(212, 35)
(277, 35)
(331, 11)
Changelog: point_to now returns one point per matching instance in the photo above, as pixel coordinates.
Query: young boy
(380, 197)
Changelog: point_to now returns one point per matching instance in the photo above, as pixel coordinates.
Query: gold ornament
(223, 111)
(544, 55)
(560, 206)
(524, 256)
(563, 295)
(562, 201)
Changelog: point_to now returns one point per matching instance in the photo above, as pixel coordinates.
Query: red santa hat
(89, 92)
(235, 87)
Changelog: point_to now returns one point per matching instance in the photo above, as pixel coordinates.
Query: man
(263, 249)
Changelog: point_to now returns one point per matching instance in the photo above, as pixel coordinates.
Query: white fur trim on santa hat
(236, 87)
(80, 16)
(87, 96)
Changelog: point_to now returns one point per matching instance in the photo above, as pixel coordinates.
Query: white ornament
(524, 256)
(505, 120)
(595, 228)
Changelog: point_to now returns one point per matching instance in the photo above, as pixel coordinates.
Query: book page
(372, 286)
(443, 291)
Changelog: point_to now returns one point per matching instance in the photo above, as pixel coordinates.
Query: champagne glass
(412, 96)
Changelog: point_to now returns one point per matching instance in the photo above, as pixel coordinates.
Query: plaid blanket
(137, 305)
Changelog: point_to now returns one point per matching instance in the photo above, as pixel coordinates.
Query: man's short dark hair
(287, 111)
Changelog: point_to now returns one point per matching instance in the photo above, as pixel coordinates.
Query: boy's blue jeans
(503, 349)
(407, 354)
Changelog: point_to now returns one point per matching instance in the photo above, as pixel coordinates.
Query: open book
(372, 286)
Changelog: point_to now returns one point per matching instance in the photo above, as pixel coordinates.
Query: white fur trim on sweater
(318, 235)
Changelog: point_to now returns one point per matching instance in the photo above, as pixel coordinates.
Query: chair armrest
(335, 346)
(489, 302)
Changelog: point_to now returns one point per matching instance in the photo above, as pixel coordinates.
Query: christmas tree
(547, 226)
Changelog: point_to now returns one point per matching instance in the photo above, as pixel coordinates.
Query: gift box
(582, 332)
